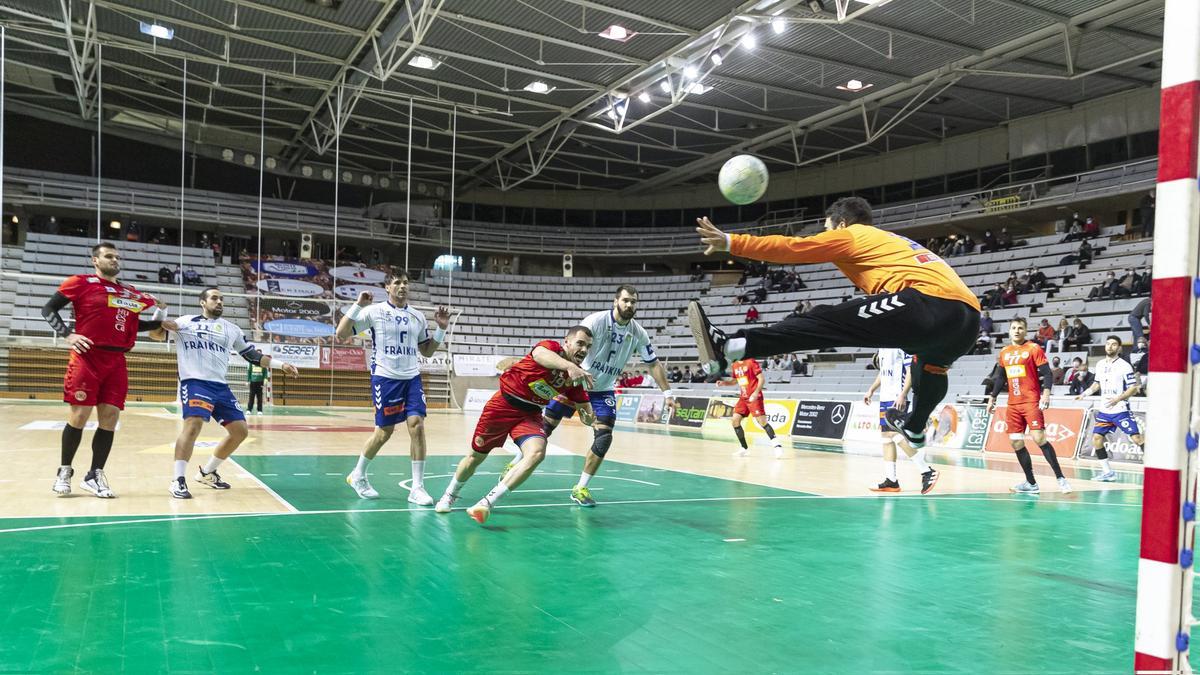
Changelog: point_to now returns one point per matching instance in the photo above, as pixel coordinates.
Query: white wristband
(276, 363)
(668, 393)
(439, 335)
(355, 311)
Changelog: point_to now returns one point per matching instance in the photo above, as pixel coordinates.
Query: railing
(28, 187)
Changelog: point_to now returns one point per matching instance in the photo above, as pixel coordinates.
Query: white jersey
(204, 346)
(893, 371)
(612, 345)
(396, 335)
(1114, 377)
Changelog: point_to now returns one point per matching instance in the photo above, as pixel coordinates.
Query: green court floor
(672, 573)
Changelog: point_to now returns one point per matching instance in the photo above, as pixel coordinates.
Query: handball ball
(743, 179)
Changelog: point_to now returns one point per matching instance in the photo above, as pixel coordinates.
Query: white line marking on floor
(332, 473)
(302, 474)
(294, 512)
(286, 504)
(732, 540)
(268, 474)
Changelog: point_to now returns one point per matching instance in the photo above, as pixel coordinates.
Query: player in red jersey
(1023, 366)
(750, 380)
(550, 369)
(107, 321)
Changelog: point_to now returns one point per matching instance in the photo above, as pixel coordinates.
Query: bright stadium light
(749, 41)
(698, 88)
(154, 30)
(718, 57)
(644, 97)
(424, 62)
(616, 32)
(691, 72)
(778, 24)
(538, 87)
(665, 85)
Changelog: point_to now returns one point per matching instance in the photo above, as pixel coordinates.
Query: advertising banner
(958, 427)
(289, 287)
(351, 291)
(650, 409)
(690, 412)
(1062, 430)
(301, 356)
(780, 413)
(344, 358)
(863, 426)
(1120, 447)
(301, 328)
(284, 269)
(627, 407)
(478, 364)
(821, 419)
(362, 275)
(282, 308)
(476, 399)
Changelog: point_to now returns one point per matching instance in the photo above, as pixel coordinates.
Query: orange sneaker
(888, 485)
(479, 513)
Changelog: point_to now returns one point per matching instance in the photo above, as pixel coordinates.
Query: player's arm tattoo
(50, 313)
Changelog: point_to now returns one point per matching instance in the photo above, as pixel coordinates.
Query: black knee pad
(1101, 453)
(602, 441)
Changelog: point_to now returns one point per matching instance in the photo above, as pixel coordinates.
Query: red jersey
(534, 383)
(105, 311)
(747, 372)
(1020, 364)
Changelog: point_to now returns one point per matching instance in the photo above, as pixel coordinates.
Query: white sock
(735, 349)
(180, 468)
(453, 488)
(889, 470)
(497, 492)
(212, 464)
(418, 469)
(919, 460)
(584, 478)
(1104, 463)
(360, 470)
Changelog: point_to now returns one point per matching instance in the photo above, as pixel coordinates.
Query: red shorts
(99, 376)
(500, 419)
(1022, 416)
(747, 408)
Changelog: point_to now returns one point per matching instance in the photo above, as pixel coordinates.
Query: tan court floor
(140, 466)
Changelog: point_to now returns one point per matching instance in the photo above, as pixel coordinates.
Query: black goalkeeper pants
(935, 330)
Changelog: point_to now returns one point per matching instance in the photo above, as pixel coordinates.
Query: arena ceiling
(529, 94)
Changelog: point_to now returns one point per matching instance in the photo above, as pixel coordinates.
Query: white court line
(286, 504)
(686, 500)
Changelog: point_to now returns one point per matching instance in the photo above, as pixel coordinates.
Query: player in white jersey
(203, 343)
(894, 384)
(399, 336)
(616, 338)
(1116, 382)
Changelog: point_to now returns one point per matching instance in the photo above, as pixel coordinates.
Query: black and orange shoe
(928, 480)
(888, 485)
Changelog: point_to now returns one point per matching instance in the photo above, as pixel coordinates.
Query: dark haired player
(107, 321)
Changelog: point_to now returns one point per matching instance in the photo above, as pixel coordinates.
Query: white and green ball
(743, 179)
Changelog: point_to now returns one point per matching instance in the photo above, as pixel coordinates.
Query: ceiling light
(618, 33)
(855, 85)
(717, 57)
(156, 31)
(116, 224)
(424, 62)
(778, 24)
(538, 87)
(385, 182)
(665, 85)
(644, 97)
(749, 41)
(698, 88)
(327, 174)
(691, 72)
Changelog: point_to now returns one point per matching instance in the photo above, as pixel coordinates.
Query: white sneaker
(480, 512)
(1024, 487)
(179, 489)
(445, 503)
(62, 483)
(362, 486)
(96, 483)
(778, 451)
(1064, 487)
(742, 452)
(417, 495)
(1106, 477)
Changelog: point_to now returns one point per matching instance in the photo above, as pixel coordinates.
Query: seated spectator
(1078, 336)
(1009, 296)
(1037, 280)
(989, 242)
(1091, 228)
(1063, 328)
(797, 311)
(760, 294)
(1003, 240)
(698, 375)
(985, 322)
(1075, 229)
(1082, 379)
(1046, 336)
(674, 375)
(191, 277)
(752, 314)
(1139, 314)
(983, 344)
(1141, 285)
(1124, 288)
(1146, 214)
(1085, 253)
(164, 275)
(177, 276)
(1105, 288)
(686, 375)
(798, 365)
(993, 299)
(1056, 370)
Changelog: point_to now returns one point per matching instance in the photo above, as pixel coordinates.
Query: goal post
(1165, 568)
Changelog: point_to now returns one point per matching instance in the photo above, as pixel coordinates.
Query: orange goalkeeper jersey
(874, 260)
(1021, 364)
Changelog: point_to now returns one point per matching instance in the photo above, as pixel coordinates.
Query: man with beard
(107, 321)
(204, 342)
(617, 336)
